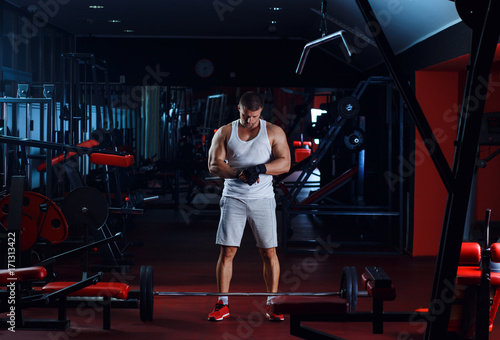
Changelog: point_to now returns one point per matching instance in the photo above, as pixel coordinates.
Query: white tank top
(241, 155)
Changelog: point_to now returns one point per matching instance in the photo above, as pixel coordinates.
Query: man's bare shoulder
(274, 130)
(225, 130)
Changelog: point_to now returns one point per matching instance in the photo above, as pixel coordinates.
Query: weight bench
(469, 273)
(104, 290)
(336, 309)
(13, 278)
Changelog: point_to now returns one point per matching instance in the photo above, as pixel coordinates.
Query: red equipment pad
(116, 290)
(298, 143)
(309, 305)
(87, 144)
(301, 154)
(22, 274)
(495, 252)
(470, 253)
(472, 276)
(113, 160)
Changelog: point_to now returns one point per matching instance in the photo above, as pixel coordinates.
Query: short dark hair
(251, 100)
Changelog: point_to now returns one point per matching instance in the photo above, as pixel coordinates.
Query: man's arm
(281, 152)
(217, 155)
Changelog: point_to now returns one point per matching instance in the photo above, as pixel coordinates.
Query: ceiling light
(96, 6)
(114, 21)
(274, 22)
(275, 8)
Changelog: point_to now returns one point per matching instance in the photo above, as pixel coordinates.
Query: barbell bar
(253, 294)
(348, 291)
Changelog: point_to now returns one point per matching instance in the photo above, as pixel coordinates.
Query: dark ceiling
(405, 22)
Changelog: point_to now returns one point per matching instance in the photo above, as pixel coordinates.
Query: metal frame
(289, 208)
(458, 180)
(28, 102)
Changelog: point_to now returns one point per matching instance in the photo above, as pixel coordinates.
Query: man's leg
(224, 270)
(271, 269)
(271, 277)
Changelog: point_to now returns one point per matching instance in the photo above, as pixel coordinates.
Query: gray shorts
(261, 217)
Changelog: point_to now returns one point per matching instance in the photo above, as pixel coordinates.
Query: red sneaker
(273, 317)
(220, 312)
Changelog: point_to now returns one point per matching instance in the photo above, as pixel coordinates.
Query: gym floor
(180, 247)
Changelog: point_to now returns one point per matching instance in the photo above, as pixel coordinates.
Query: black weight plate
(149, 293)
(348, 107)
(87, 206)
(354, 140)
(346, 286)
(472, 13)
(354, 297)
(142, 294)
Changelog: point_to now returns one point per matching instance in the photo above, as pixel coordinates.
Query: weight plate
(142, 294)
(348, 107)
(472, 13)
(345, 291)
(149, 293)
(41, 217)
(86, 206)
(354, 140)
(354, 296)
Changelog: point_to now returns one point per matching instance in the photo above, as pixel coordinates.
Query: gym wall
(440, 90)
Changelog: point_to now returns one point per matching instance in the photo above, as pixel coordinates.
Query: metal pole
(423, 126)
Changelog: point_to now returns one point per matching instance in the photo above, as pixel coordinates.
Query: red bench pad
(470, 253)
(113, 160)
(22, 274)
(87, 144)
(116, 290)
(472, 276)
(309, 305)
(495, 252)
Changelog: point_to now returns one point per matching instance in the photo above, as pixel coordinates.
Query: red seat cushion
(468, 275)
(22, 274)
(301, 154)
(309, 305)
(116, 290)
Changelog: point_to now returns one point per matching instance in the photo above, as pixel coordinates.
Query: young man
(247, 153)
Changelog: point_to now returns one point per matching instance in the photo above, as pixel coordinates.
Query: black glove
(252, 173)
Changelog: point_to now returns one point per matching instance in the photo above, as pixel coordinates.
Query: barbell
(348, 291)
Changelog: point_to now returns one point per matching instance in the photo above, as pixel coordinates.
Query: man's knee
(268, 254)
(227, 253)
